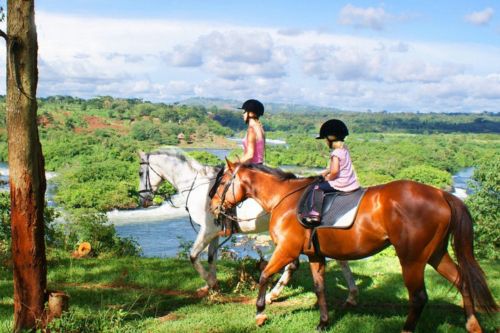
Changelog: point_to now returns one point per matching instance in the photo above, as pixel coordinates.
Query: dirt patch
(212, 297)
(95, 122)
(43, 121)
(170, 317)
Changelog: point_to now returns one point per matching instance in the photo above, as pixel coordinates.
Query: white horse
(193, 181)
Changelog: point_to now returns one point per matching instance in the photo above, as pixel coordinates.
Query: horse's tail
(471, 275)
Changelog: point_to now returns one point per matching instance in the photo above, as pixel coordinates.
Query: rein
(236, 218)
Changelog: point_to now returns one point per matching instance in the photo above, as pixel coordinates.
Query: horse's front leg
(213, 248)
(283, 281)
(278, 260)
(352, 298)
(317, 264)
(201, 242)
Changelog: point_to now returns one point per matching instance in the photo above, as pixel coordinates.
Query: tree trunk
(26, 167)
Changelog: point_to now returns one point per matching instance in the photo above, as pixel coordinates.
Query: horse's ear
(141, 154)
(229, 164)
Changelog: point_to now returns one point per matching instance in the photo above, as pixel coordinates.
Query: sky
(399, 56)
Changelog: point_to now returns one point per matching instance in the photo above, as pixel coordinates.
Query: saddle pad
(340, 208)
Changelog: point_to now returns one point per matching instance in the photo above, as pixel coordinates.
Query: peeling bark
(26, 167)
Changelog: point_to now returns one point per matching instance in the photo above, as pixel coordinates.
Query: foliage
(205, 158)
(184, 248)
(426, 174)
(4, 216)
(484, 204)
(104, 322)
(49, 216)
(91, 226)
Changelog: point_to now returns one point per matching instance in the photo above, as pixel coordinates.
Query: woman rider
(254, 142)
(254, 146)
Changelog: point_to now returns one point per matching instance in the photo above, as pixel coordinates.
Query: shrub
(485, 208)
(205, 158)
(427, 175)
(87, 225)
(49, 215)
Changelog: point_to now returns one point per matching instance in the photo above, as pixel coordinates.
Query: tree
(26, 167)
(485, 208)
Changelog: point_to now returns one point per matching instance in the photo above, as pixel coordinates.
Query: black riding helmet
(253, 105)
(333, 127)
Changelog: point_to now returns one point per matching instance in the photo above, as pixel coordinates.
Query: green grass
(157, 295)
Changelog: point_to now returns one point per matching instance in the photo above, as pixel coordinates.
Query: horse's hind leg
(352, 298)
(413, 275)
(283, 281)
(448, 269)
(318, 272)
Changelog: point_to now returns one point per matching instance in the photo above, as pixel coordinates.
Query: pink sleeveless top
(258, 152)
(346, 180)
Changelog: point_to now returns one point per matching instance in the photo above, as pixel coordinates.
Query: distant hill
(269, 107)
(229, 104)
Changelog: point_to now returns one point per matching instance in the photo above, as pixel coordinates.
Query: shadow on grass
(157, 288)
(388, 303)
(136, 303)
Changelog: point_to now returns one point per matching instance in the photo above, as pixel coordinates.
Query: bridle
(149, 188)
(221, 207)
(213, 192)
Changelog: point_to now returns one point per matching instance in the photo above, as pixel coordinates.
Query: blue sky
(440, 56)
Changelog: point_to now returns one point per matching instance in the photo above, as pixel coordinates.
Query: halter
(222, 197)
(149, 189)
(221, 208)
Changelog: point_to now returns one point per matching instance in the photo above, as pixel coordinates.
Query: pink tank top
(258, 152)
(346, 180)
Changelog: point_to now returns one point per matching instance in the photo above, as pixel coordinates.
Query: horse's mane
(191, 162)
(278, 173)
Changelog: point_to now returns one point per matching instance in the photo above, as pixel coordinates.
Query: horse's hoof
(321, 327)
(472, 325)
(270, 298)
(202, 292)
(260, 319)
(215, 286)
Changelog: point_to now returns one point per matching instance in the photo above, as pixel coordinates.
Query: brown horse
(416, 219)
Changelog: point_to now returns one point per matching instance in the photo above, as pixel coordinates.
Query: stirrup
(312, 217)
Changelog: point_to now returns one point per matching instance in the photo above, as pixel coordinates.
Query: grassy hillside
(158, 295)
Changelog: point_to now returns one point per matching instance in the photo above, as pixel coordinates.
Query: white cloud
(419, 71)
(185, 56)
(480, 18)
(374, 18)
(123, 58)
(233, 55)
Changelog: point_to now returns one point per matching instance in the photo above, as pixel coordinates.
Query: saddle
(339, 208)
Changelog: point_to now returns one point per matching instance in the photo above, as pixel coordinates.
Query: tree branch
(4, 35)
